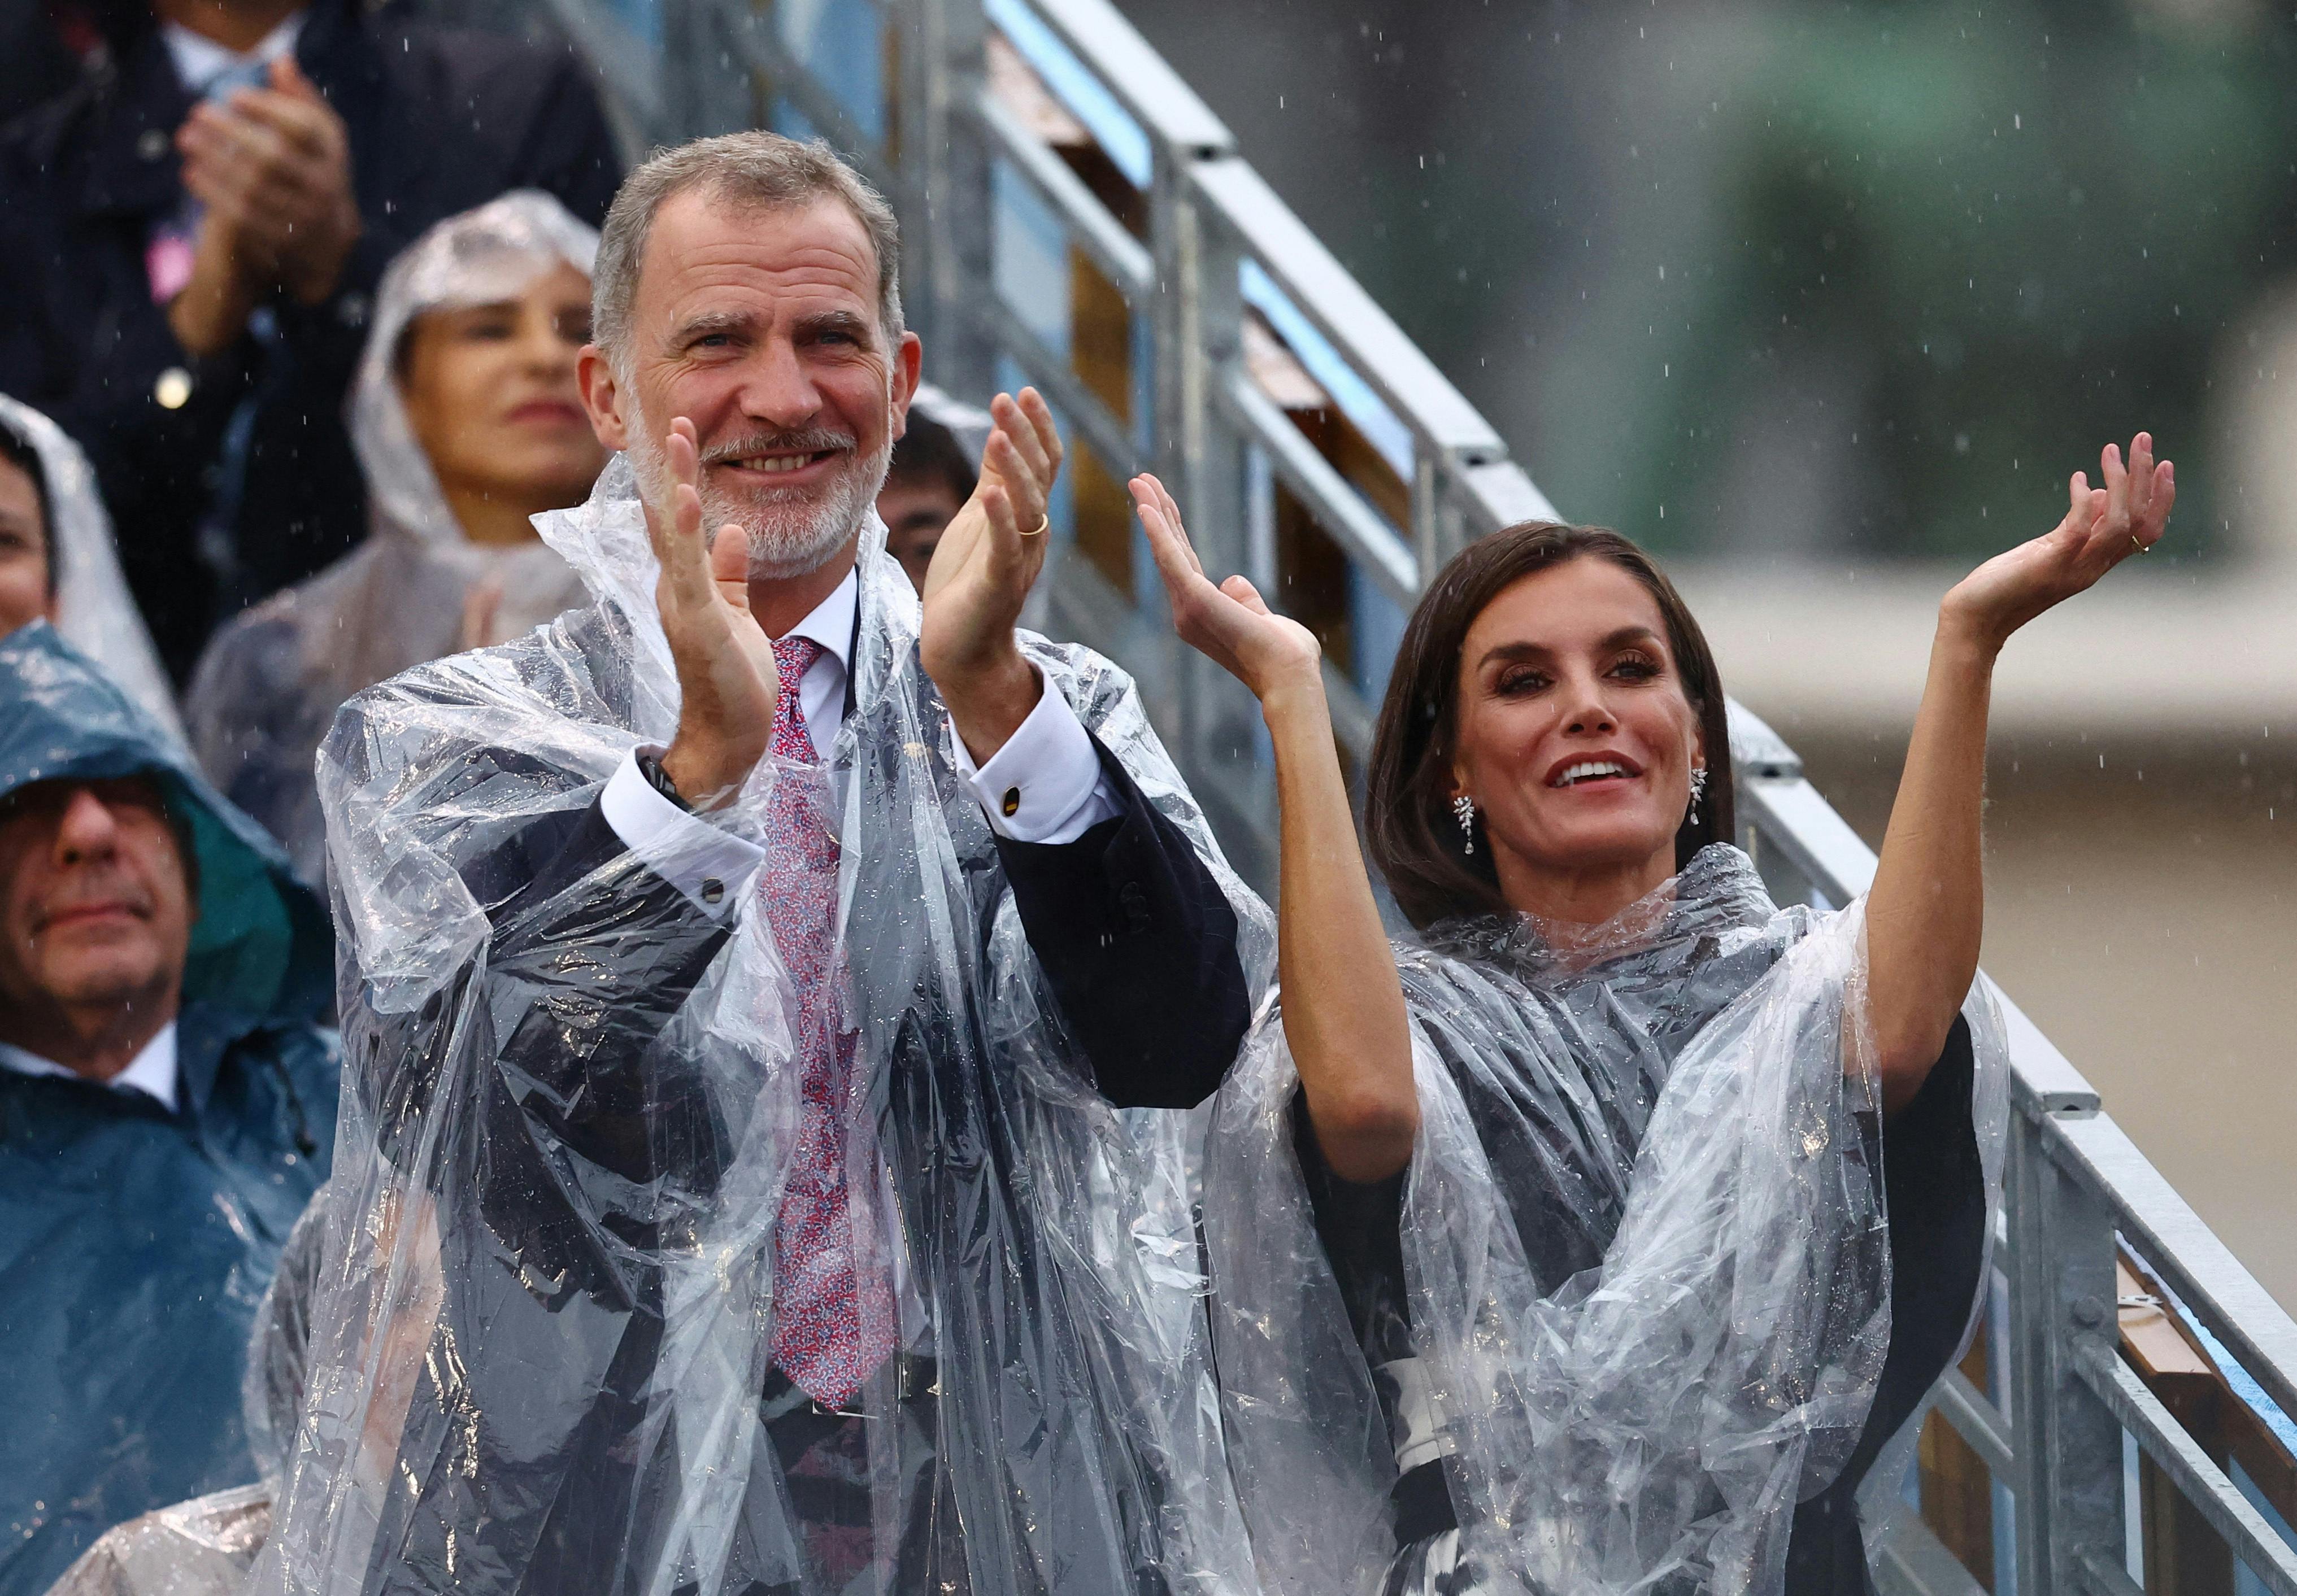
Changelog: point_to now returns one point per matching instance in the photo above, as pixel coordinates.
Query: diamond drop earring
(1698, 791)
(1463, 808)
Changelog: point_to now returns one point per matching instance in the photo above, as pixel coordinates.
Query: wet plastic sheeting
(1643, 1245)
(569, 1103)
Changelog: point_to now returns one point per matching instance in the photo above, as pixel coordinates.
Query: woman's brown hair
(1414, 841)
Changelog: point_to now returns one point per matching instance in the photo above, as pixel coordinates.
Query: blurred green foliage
(2005, 232)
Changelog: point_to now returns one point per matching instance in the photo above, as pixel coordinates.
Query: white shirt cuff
(711, 866)
(1046, 784)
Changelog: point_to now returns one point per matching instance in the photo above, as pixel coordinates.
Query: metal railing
(1076, 217)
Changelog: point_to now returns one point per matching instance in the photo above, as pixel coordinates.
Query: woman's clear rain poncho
(269, 683)
(1645, 1266)
(547, 1315)
(95, 613)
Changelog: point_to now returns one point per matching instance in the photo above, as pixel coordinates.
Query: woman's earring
(1464, 809)
(1698, 791)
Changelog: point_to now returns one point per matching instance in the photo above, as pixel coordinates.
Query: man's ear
(908, 360)
(602, 396)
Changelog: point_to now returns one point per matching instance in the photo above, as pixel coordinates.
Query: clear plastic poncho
(95, 613)
(1643, 1247)
(271, 681)
(554, 1317)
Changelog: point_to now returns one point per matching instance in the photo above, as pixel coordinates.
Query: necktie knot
(793, 656)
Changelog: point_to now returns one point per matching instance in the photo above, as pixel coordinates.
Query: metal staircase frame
(939, 142)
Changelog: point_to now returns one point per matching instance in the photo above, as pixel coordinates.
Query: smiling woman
(1600, 1236)
(468, 423)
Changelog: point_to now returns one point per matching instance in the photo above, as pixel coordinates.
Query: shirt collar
(151, 1072)
(830, 624)
(199, 60)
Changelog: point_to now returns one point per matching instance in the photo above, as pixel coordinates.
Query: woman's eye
(1521, 681)
(1636, 668)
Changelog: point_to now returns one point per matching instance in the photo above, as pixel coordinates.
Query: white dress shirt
(200, 62)
(151, 1072)
(1044, 785)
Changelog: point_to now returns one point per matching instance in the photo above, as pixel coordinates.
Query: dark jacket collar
(133, 168)
(204, 1033)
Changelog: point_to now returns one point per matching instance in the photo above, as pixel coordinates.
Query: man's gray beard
(791, 532)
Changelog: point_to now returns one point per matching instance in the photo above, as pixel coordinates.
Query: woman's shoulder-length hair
(1413, 839)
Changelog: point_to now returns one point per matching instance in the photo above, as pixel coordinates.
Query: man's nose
(777, 388)
(88, 831)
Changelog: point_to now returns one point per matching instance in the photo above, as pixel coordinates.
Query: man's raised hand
(2102, 527)
(726, 678)
(982, 572)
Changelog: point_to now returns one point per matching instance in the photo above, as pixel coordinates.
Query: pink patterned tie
(822, 1340)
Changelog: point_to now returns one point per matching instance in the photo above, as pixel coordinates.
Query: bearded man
(757, 990)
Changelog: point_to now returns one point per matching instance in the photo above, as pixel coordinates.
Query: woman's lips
(548, 412)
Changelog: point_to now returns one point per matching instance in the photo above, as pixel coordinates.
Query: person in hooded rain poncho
(1598, 1235)
(468, 423)
(764, 996)
(205, 1547)
(166, 1107)
(58, 561)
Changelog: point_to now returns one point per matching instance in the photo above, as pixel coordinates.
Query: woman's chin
(1623, 843)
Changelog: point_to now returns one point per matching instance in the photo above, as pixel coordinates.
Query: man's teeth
(1586, 769)
(775, 462)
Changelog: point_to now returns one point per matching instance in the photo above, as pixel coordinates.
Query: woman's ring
(1038, 531)
(2140, 547)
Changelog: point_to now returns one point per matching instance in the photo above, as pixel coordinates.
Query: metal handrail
(2076, 1183)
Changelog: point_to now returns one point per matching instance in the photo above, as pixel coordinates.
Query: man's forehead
(706, 254)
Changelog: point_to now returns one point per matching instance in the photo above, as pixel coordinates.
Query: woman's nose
(1590, 716)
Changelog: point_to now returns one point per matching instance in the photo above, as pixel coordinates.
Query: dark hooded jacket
(136, 1243)
(438, 120)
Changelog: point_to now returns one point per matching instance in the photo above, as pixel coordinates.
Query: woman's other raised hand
(2102, 527)
(1229, 624)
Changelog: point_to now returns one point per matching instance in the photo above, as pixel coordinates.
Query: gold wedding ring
(2140, 547)
(1038, 531)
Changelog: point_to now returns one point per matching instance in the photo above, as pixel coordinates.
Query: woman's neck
(490, 519)
(1584, 897)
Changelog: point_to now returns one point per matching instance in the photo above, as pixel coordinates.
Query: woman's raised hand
(1231, 624)
(2104, 526)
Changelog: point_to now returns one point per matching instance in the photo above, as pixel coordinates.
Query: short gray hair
(755, 170)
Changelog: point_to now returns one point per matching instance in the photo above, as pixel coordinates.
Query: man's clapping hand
(271, 168)
(983, 569)
(726, 682)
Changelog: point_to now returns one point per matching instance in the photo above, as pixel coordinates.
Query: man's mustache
(813, 442)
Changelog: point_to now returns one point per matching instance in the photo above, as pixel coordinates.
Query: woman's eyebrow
(1509, 653)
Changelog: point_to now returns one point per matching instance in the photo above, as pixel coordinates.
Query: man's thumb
(730, 564)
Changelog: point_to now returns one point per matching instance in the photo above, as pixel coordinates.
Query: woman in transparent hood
(1598, 1237)
(58, 561)
(467, 422)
